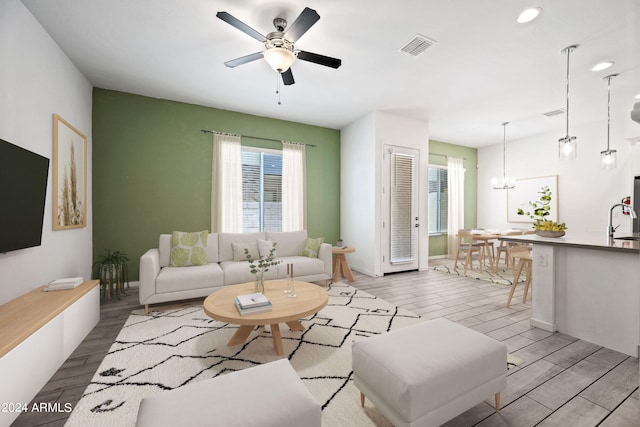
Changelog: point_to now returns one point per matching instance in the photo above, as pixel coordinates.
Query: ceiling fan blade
(287, 77)
(235, 22)
(327, 61)
(303, 22)
(244, 59)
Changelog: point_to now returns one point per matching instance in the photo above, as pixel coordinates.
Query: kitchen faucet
(625, 208)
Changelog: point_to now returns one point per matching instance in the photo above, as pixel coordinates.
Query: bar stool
(505, 248)
(523, 254)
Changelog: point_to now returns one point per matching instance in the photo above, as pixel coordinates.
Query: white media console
(38, 332)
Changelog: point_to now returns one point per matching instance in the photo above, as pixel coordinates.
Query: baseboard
(549, 327)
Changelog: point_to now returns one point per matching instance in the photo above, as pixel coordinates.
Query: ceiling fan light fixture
(529, 15)
(279, 58)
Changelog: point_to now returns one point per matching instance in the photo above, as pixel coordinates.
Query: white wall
(359, 204)
(585, 192)
(360, 184)
(36, 81)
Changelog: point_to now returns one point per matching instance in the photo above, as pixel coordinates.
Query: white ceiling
(484, 70)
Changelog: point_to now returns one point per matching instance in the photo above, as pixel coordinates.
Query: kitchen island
(587, 286)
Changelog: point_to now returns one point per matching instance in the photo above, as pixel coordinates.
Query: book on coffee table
(252, 300)
(252, 310)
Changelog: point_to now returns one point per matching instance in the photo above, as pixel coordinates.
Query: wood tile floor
(562, 382)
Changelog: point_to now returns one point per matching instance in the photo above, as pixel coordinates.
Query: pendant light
(608, 156)
(568, 146)
(506, 182)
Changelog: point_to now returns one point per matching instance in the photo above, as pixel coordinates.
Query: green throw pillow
(188, 248)
(312, 246)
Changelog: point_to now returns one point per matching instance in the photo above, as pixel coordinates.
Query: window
(438, 200)
(261, 190)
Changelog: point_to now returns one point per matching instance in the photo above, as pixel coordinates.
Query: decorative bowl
(549, 233)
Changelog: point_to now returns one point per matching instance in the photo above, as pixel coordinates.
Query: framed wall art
(527, 189)
(69, 176)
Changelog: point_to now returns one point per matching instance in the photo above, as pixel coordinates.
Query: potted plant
(539, 210)
(261, 265)
(112, 271)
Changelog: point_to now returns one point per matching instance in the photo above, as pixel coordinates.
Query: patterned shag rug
(168, 349)
(503, 275)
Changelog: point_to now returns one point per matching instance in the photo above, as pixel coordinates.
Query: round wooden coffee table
(310, 299)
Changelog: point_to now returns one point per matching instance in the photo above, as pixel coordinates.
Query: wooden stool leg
(527, 282)
(362, 399)
(497, 402)
(515, 282)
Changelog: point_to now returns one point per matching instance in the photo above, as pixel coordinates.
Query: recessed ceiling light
(602, 66)
(529, 15)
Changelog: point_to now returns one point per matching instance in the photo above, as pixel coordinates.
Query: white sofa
(161, 283)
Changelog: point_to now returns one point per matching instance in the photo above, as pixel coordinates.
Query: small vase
(259, 285)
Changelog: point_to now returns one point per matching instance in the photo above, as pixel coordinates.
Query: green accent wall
(438, 244)
(152, 169)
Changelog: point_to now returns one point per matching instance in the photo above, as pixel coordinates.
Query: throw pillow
(312, 246)
(264, 247)
(238, 251)
(188, 248)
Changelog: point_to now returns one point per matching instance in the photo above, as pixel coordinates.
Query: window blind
(261, 191)
(401, 197)
(438, 200)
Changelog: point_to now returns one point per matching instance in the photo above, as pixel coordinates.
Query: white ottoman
(428, 373)
(268, 395)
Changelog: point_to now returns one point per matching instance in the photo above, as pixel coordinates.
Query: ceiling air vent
(555, 112)
(417, 45)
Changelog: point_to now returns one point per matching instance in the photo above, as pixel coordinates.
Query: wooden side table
(340, 265)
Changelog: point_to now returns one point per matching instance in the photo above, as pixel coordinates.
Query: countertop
(580, 240)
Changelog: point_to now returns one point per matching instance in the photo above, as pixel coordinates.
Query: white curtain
(455, 186)
(293, 187)
(226, 184)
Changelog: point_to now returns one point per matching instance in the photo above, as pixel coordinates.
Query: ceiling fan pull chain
(278, 87)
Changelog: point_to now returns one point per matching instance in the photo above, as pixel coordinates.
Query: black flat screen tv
(23, 190)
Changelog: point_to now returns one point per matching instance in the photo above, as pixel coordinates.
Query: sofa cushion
(288, 243)
(264, 248)
(239, 272)
(225, 251)
(164, 248)
(311, 247)
(302, 266)
(188, 248)
(267, 395)
(174, 279)
(239, 251)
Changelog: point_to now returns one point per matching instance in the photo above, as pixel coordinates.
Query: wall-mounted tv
(23, 190)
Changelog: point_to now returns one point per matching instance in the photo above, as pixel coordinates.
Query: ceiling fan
(280, 53)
